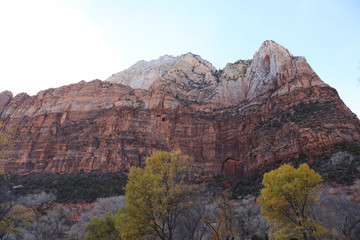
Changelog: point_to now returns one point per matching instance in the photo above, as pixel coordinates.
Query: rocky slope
(234, 121)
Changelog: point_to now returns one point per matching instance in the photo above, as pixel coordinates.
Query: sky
(51, 43)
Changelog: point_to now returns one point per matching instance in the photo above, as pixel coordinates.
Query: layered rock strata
(232, 122)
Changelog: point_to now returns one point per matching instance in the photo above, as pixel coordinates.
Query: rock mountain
(232, 122)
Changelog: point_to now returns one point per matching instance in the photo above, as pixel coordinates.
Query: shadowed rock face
(232, 122)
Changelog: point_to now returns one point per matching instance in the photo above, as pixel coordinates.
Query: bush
(71, 188)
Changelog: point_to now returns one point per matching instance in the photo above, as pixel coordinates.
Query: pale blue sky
(49, 43)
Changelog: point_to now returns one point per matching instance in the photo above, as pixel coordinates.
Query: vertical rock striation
(232, 122)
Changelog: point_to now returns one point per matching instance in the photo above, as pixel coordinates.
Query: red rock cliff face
(232, 122)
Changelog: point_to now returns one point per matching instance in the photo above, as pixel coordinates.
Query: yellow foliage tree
(286, 201)
(18, 217)
(12, 217)
(5, 203)
(155, 197)
(3, 175)
(4, 140)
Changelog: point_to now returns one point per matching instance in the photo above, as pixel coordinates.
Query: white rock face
(232, 84)
(272, 67)
(266, 64)
(144, 73)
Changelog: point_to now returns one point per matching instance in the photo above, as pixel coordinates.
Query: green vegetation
(296, 114)
(102, 229)
(351, 147)
(344, 168)
(71, 188)
(251, 183)
(17, 218)
(343, 171)
(162, 203)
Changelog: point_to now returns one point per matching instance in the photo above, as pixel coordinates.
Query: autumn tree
(17, 218)
(13, 217)
(6, 202)
(4, 140)
(156, 197)
(40, 204)
(5, 198)
(4, 146)
(287, 199)
(102, 229)
(223, 224)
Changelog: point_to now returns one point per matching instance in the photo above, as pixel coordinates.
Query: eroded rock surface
(233, 121)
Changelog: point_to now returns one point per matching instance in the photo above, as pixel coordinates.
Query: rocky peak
(192, 78)
(5, 98)
(265, 67)
(234, 71)
(197, 62)
(270, 58)
(143, 74)
(273, 66)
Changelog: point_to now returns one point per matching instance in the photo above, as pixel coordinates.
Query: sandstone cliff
(232, 121)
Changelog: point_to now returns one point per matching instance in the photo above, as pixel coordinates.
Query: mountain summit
(271, 67)
(143, 74)
(233, 121)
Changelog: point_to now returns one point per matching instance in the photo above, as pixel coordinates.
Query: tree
(223, 223)
(40, 204)
(100, 208)
(338, 212)
(4, 140)
(55, 224)
(6, 202)
(17, 218)
(251, 220)
(5, 198)
(102, 230)
(156, 196)
(287, 199)
(192, 226)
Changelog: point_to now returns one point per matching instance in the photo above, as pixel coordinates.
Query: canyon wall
(232, 121)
